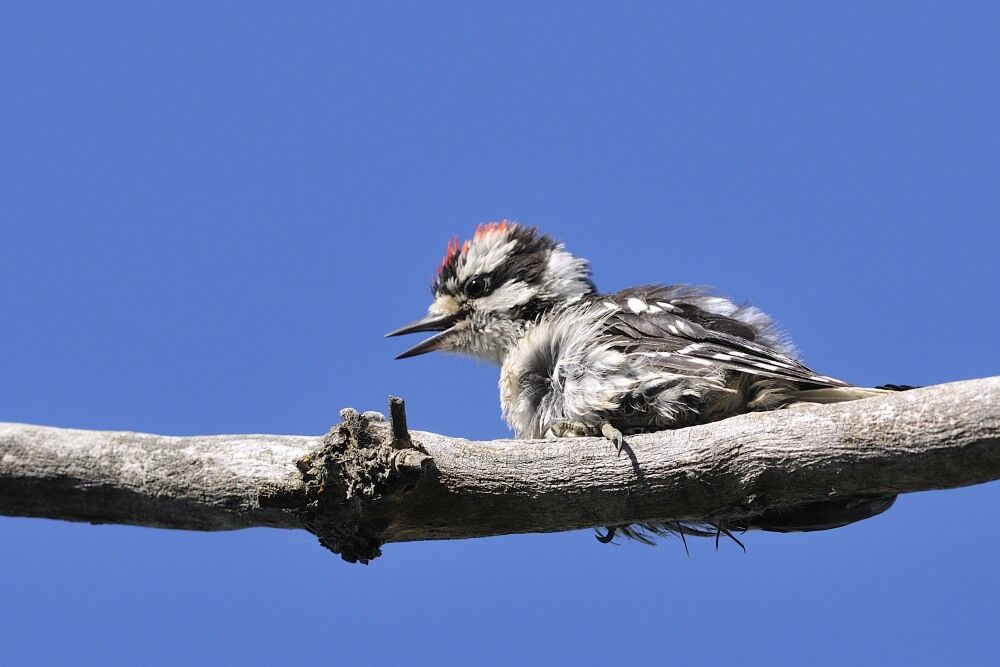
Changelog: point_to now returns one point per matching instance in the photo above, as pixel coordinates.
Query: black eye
(476, 287)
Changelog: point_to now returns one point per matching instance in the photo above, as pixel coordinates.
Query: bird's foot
(614, 435)
(605, 539)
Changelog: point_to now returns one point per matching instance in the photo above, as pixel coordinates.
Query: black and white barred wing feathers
(686, 331)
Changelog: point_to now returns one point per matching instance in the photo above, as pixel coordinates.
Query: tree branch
(368, 482)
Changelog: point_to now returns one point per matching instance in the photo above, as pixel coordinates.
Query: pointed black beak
(429, 323)
(442, 323)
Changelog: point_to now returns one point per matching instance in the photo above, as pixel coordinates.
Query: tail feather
(821, 515)
(840, 394)
(837, 394)
(807, 517)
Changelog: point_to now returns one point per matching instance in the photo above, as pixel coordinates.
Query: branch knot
(362, 462)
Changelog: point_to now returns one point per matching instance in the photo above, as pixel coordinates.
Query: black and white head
(489, 290)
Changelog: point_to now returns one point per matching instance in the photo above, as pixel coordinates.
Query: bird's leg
(614, 435)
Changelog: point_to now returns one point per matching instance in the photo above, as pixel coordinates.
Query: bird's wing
(682, 336)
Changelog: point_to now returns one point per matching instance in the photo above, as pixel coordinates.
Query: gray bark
(366, 483)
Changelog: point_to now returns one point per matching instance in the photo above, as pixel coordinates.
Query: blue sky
(211, 212)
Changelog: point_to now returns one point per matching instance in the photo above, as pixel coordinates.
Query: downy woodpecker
(574, 362)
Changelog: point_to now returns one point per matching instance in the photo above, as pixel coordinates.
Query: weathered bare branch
(368, 482)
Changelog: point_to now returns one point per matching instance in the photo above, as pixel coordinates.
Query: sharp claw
(733, 538)
(604, 539)
(614, 435)
(720, 531)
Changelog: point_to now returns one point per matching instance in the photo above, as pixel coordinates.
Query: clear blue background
(212, 212)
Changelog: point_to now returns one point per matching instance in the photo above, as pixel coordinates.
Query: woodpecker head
(489, 290)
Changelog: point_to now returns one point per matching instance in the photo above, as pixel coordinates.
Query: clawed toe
(604, 539)
(614, 435)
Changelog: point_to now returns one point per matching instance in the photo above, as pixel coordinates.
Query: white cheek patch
(507, 296)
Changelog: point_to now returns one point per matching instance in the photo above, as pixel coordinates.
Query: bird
(575, 362)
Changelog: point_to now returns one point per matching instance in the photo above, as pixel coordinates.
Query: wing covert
(657, 321)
